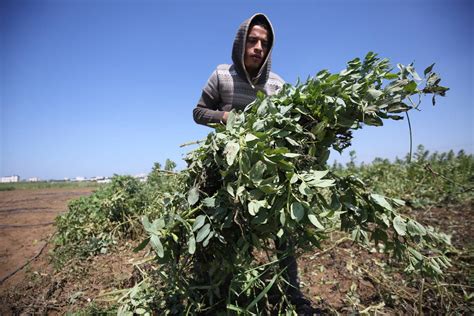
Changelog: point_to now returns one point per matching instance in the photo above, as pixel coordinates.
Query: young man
(234, 87)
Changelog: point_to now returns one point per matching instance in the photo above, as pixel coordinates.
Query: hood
(238, 52)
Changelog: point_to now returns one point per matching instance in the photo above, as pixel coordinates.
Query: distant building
(79, 179)
(10, 179)
(142, 177)
(105, 180)
(33, 179)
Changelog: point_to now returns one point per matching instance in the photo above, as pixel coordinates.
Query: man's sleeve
(208, 108)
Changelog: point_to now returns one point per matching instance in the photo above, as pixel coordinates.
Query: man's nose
(258, 45)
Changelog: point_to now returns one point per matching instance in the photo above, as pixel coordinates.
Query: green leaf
(321, 183)
(193, 196)
(149, 227)
(381, 201)
(199, 222)
(146, 222)
(374, 94)
(230, 190)
(304, 189)
(206, 241)
(390, 76)
(415, 253)
(294, 178)
(292, 142)
(159, 223)
(263, 108)
(372, 119)
(240, 190)
(142, 245)
(415, 228)
(231, 120)
(399, 225)
(209, 202)
(411, 87)
(156, 244)
(314, 220)
(412, 71)
(297, 211)
(435, 266)
(282, 217)
(319, 130)
(250, 138)
(385, 219)
(254, 206)
(291, 155)
(256, 172)
(428, 69)
(230, 151)
(259, 125)
(269, 188)
(317, 175)
(192, 244)
(399, 107)
(203, 232)
(280, 233)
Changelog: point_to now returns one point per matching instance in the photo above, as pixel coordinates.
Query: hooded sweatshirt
(230, 86)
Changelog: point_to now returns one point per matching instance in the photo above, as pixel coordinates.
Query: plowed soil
(27, 222)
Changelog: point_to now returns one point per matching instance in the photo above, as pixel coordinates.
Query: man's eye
(252, 40)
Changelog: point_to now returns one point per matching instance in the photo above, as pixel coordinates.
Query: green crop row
(93, 224)
(426, 179)
(47, 185)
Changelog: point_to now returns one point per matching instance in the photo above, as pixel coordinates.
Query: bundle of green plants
(263, 179)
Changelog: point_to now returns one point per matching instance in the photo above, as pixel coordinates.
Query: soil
(27, 222)
(340, 278)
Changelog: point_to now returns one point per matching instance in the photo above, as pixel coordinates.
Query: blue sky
(97, 87)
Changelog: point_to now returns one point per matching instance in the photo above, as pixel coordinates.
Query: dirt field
(341, 278)
(26, 222)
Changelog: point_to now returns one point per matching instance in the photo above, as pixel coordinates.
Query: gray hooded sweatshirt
(230, 86)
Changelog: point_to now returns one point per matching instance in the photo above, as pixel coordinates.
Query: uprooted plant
(263, 179)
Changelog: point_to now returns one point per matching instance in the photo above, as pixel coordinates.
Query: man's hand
(224, 117)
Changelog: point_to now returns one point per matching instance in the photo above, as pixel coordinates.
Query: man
(234, 87)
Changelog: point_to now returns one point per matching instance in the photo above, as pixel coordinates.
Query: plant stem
(420, 301)
(411, 138)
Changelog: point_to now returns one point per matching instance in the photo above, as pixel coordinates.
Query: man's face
(256, 48)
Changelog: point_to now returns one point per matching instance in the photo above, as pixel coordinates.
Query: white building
(10, 179)
(105, 180)
(142, 177)
(33, 179)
